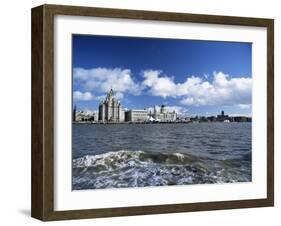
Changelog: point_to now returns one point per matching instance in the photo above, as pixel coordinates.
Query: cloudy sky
(192, 77)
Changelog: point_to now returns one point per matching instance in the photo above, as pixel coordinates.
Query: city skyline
(191, 77)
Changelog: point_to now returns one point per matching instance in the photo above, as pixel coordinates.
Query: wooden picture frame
(42, 203)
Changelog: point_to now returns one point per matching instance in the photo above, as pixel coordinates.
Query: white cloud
(119, 95)
(222, 90)
(244, 106)
(163, 86)
(188, 101)
(77, 95)
(86, 96)
(103, 79)
(218, 89)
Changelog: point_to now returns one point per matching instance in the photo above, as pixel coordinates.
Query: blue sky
(191, 76)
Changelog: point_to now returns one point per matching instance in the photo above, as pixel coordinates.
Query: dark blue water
(137, 155)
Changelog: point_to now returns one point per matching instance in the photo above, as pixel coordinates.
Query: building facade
(83, 115)
(137, 115)
(110, 110)
(163, 115)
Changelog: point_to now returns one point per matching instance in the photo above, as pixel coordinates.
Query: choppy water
(122, 155)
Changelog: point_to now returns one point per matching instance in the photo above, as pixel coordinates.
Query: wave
(127, 168)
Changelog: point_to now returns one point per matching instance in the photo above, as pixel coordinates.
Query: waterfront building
(137, 115)
(242, 119)
(84, 115)
(212, 118)
(163, 115)
(186, 119)
(110, 110)
(203, 119)
(222, 117)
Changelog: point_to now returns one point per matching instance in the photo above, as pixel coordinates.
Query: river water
(138, 155)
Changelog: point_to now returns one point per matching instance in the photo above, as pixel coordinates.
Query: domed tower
(162, 110)
(110, 109)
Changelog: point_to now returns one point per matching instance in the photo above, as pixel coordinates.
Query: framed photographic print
(141, 112)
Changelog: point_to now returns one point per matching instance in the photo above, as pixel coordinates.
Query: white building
(137, 115)
(110, 110)
(163, 115)
(84, 115)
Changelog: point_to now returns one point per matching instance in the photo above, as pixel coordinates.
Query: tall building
(110, 110)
